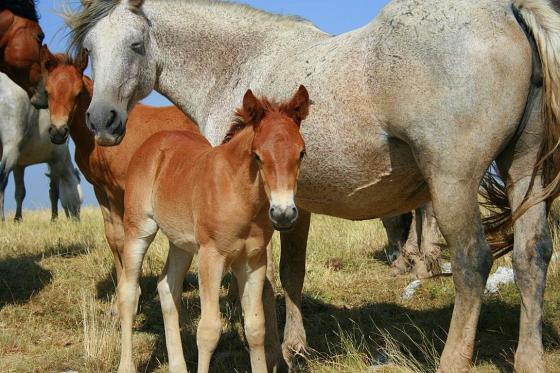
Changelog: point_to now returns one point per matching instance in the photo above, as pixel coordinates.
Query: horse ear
(135, 5)
(298, 107)
(48, 61)
(253, 110)
(81, 61)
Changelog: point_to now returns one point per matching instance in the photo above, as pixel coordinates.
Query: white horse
(25, 141)
(412, 107)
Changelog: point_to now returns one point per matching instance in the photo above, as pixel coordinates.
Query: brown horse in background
(20, 41)
(69, 94)
(217, 202)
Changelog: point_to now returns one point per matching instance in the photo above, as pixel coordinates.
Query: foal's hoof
(18, 219)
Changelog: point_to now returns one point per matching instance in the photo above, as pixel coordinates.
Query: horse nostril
(111, 119)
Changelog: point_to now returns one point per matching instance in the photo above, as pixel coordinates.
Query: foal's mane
(21, 8)
(242, 119)
(82, 20)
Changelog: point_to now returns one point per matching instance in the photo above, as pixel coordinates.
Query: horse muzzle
(58, 135)
(283, 218)
(107, 123)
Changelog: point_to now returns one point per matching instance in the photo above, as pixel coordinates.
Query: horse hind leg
(532, 247)
(456, 207)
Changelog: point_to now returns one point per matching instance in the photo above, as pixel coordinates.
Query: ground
(56, 286)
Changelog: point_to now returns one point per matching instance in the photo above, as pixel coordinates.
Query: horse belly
(376, 181)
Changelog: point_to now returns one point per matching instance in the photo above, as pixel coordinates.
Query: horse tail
(541, 22)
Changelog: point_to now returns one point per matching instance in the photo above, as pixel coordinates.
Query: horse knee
(208, 334)
(166, 297)
(255, 331)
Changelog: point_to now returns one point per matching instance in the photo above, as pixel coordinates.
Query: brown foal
(69, 94)
(222, 203)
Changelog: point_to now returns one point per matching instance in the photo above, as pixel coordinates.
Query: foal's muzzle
(58, 135)
(107, 123)
(283, 218)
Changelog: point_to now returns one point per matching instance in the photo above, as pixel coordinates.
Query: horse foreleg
(9, 160)
(53, 195)
(19, 173)
(292, 273)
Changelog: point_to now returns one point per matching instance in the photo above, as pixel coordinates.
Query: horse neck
(218, 42)
(83, 139)
(246, 180)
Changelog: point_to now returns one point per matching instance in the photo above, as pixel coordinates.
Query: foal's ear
(253, 110)
(81, 60)
(298, 107)
(48, 61)
(135, 5)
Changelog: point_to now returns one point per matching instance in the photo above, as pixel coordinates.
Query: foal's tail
(541, 21)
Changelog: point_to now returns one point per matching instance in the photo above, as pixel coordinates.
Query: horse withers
(222, 203)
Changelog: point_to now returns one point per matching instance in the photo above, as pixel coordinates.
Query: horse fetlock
(529, 358)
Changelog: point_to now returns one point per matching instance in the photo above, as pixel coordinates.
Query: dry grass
(56, 286)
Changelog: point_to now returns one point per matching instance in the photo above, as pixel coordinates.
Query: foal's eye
(138, 48)
(257, 158)
(302, 155)
(41, 37)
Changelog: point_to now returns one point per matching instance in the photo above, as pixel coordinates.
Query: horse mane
(242, 119)
(82, 20)
(21, 8)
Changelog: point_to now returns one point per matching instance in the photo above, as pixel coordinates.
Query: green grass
(56, 286)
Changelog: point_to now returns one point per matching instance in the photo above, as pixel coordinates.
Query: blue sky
(333, 16)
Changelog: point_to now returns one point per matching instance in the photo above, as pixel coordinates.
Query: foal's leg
(251, 275)
(139, 235)
(211, 269)
(19, 173)
(292, 273)
(456, 207)
(170, 288)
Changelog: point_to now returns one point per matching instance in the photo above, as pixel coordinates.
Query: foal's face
(278, 150)
(20, 40)
(63, 84)
(124, 70)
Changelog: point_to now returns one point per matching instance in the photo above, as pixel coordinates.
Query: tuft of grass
(57, 285)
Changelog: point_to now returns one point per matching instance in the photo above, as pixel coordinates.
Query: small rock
(446, 268)
(502, 276)
(409, 291)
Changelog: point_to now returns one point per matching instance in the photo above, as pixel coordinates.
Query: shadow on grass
(496, 337)
(22, 276)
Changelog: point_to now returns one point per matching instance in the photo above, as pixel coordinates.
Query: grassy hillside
(56, 287)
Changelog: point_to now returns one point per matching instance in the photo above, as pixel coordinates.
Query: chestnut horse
(20, 40)
(218, 202)
(69, 94)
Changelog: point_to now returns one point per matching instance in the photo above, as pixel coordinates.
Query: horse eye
(138, 48)
(86, 51)
(302, 155)
(41, 37)
(257, 158)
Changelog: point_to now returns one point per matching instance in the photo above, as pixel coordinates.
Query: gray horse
(412, 107)
(25, 141)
